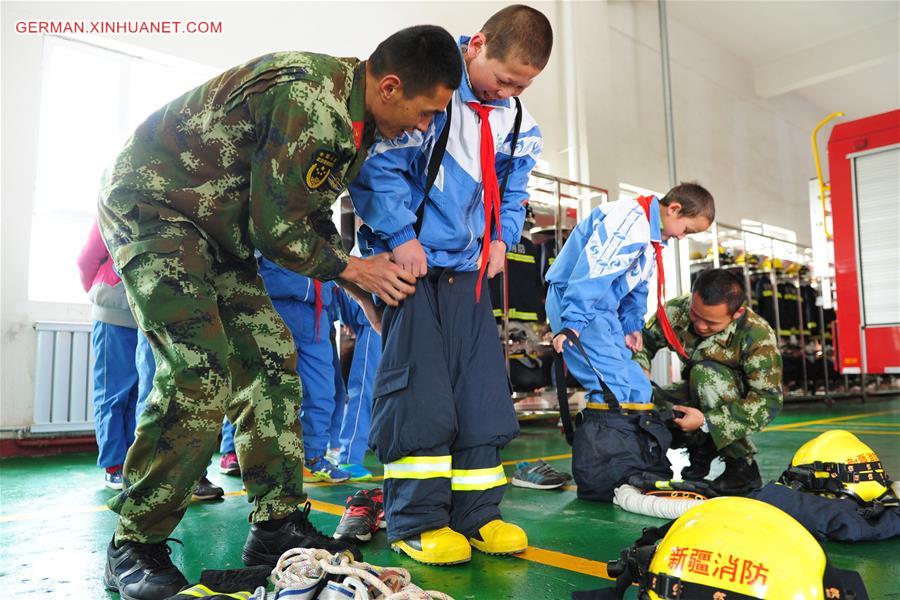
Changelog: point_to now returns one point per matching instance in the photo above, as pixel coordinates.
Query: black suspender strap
(562, 395)
(434, 165)
(608, 396)
(517, 126)
(437, 157)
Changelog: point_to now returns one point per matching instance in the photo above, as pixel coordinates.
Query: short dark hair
(423, 57)
(694, 199)
(521, 31)
(720, 286)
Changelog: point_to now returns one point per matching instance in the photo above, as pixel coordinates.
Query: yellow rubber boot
(500, 537)
(436, 547)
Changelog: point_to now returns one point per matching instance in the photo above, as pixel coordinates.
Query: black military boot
(701, 459)
(142, 571)
(268, 540)
(741, 476)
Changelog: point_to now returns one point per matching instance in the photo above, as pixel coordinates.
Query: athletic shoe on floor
(537, 475)
(321, 469)
(113, 478)
(207, 490)
(377, 497)
(268, 540)
(142, 571)
(436, 547)
(360, 518)
(357, 472)
(228, 465)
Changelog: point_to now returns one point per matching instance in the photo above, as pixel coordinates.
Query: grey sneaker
(538, 475)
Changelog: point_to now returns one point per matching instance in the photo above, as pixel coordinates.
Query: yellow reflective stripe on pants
(201, 591)
(519, 315)
(525, 258)
(465, 480)
(418, 467)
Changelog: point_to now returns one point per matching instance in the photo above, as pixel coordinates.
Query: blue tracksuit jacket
(598, 287)
(391, 184)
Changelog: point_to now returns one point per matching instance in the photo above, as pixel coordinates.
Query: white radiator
(63, 384)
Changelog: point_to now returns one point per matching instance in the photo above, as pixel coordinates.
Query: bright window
(92, 99)
(770, 245)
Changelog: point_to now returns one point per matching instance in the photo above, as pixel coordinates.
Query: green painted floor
(54, 526)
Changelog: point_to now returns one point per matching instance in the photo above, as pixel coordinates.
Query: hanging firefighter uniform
(526, 288)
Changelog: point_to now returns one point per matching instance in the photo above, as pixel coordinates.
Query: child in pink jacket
(113, 341)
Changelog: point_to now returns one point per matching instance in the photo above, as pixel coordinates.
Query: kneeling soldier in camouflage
(252, 159)
(731, 385)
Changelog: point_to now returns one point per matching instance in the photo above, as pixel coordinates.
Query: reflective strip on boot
(419, 467)
(201, 591)
(465, 480)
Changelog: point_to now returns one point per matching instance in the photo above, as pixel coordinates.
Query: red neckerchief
(318, 289)
(661, 315)
(491, 187)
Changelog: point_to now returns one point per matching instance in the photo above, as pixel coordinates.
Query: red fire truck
(864, 165)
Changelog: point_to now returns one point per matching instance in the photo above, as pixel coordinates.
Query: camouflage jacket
(254, 158)
(747, 346)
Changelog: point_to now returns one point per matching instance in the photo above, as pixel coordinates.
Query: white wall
(752, 154)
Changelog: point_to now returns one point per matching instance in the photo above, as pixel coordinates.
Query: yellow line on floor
(553, 457)
(51, 513)
(550, 558)
(829, 420)
(568, 562)
(850, 429)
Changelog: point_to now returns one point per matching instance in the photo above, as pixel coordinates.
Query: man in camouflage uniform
(731, 384)
(253, 159)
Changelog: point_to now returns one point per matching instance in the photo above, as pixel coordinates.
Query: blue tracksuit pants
(115, 390)
(354, 439)
(340, 399)
(442, 409)
(315, 364)
(227, 444)
(604, 343)
(146, 369)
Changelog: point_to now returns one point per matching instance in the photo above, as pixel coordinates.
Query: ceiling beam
(836, 58)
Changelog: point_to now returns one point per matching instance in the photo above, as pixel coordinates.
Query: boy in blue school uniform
(442, 408)
(357, 418)
(304, 304)
(598, 294)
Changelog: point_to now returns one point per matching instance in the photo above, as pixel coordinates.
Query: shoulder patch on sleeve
(318, 172)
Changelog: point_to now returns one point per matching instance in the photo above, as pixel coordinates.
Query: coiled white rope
(303, 567)
(634, 500)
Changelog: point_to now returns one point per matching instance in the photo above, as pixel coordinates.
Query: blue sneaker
(113, 479)
(357, 472)
(319, 469)
(538, 475)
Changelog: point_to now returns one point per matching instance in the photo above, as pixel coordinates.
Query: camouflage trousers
(220, 349)
(709, 385)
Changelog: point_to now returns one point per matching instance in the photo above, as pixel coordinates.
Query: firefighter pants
(442, 409)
